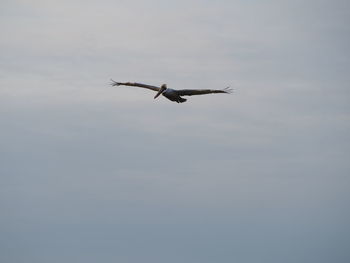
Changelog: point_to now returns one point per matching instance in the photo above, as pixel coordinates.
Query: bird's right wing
(133, 84)
(191, 92)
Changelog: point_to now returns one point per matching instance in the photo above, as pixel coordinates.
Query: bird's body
(172, 94)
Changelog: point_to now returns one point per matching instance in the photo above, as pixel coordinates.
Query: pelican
(172, 94)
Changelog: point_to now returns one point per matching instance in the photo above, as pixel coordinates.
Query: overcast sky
(92, 173)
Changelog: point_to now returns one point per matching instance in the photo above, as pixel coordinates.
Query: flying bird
(172, 94)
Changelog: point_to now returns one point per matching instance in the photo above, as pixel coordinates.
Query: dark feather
(191, 92)
(134, 84)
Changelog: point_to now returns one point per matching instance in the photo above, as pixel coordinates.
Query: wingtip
(228, 90)
(114, 83)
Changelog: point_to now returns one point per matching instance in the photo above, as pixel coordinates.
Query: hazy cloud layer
(94, 173)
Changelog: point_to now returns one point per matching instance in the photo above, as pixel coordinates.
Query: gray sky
(91, 173)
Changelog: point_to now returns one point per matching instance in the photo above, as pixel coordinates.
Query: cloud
(110, 171)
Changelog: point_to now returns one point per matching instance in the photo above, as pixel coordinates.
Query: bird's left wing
(191, 92)
(134, 84)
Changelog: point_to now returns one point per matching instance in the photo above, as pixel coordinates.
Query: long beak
(159, 92)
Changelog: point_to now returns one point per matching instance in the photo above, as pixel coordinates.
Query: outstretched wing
(114, 83)
(191, 92)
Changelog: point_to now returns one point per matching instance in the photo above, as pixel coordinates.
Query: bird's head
(161, 90)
